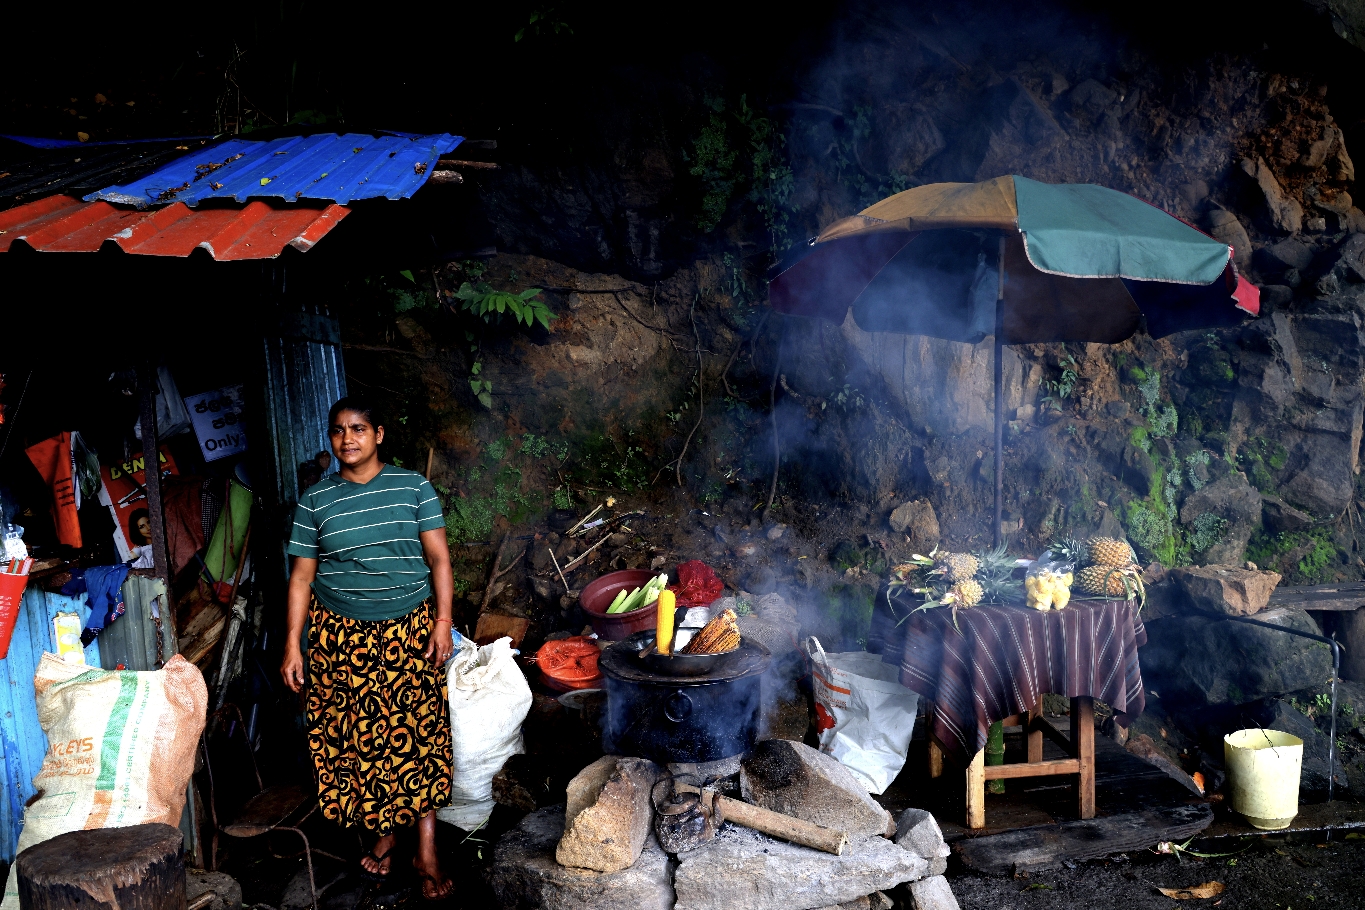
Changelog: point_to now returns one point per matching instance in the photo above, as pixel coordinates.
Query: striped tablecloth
(1008, 656)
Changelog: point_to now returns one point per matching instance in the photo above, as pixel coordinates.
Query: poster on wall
(126, 492)
(217, 420)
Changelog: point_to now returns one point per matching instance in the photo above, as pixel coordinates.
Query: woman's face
(144, 527)
(354, 440)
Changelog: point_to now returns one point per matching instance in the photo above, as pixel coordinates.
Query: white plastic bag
(121, 747)
(489, 698)
(863, 714)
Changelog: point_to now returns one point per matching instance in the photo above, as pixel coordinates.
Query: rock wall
(1204, 446)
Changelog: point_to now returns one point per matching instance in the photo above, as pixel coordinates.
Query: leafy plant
(544, 20)
(563, 497)
(482, 388)
(1062, 387)
(1208, 530)
(739, 148)
(489, 304)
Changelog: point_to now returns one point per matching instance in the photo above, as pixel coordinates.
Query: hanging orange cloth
(52, 458)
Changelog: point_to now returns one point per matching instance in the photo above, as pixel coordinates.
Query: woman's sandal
(376, 878)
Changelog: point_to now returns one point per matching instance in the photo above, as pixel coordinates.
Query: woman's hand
(292, 668)
(440, 643)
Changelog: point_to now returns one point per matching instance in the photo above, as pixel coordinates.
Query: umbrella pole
(999, 399)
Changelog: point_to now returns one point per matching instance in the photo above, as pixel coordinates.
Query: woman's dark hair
(139, 539)
(358, 403)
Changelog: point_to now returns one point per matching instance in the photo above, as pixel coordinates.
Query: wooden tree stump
(137, 868)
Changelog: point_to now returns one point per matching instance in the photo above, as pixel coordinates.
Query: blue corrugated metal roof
(323, 167)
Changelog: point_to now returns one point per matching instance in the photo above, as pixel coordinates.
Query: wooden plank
(935, 747)
(1340, 597)
(1057, 736)
(1034, 769)
(1083, 741)
(1047, 846)
(1035, 732)
(976, 791)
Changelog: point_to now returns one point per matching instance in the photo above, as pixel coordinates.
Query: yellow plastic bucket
(1263, 768)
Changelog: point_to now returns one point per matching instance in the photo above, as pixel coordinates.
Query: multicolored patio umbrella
(1024, 261)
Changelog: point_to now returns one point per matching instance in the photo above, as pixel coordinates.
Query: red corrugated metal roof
(257, 230)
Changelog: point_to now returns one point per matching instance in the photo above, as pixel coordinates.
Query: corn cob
(717, 636)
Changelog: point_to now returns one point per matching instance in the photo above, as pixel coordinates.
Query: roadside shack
(157, 309)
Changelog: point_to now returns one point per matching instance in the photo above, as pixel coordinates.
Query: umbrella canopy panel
(1082, 263)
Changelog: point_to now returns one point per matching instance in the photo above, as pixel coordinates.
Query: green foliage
(604, 461)
(743, 148)
(544, 20)
(1259, 457)
(490, 305)
(1162, 420)
(1152, 530)
(563, 497)
(849, 171)
(1315, 546)
(1062, 387)
(534, 446)
(482, 388)
(1208, 530)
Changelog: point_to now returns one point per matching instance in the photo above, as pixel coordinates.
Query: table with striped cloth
(1008, 656)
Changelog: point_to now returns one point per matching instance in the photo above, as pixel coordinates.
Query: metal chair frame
(231, 710)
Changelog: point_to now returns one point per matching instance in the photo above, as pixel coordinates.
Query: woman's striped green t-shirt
(365, 539)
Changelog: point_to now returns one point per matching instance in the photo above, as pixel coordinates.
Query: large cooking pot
(682, 718)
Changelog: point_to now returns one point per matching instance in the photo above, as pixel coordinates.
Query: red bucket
(11, 593)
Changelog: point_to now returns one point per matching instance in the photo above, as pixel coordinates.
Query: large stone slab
(609, 814)
(1226, 589)
(805, 783)
(526, 876)
(1202, 661)
(742, 868)
(917, 831)
(932, 894)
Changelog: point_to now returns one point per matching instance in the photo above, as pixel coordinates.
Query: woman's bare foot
(376, 862)
(435, 885)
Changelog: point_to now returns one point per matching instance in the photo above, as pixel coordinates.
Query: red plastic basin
(599, 594)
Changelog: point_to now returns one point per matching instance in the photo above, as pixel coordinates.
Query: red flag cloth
(698, 585)
(52, 458)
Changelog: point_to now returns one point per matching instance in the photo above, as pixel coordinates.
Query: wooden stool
(1081, 764)
(141, 867)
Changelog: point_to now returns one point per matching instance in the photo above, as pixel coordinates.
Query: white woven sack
(864, 715)
(121, 749)
(489, 699)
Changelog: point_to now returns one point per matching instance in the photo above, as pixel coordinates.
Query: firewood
(773, 824)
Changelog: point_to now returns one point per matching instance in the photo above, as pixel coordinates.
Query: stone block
(917, 831)
(805, 783)
(1226, 589)
(916, 520)
(742, 868)
(606, 830)
(525, 873)
(1202, 661)
(228, 892)
(1279, 516)
(932, 894)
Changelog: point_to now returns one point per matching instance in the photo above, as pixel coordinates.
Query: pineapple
(1069, 549)
(1110, 551)
(966, 593)
(957, 567)
(1111, 581)
(995, 572)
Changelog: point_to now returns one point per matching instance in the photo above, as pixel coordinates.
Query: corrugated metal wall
(134, 638)
(304, 376)
(22, 742)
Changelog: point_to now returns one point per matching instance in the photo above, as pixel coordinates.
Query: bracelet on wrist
(439, 619)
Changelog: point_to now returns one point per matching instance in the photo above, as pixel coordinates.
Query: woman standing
(372, 578)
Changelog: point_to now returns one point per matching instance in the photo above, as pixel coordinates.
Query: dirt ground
(1293, 872)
